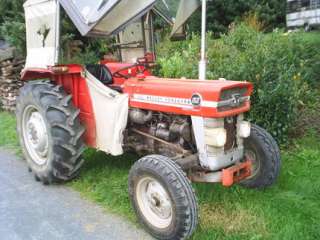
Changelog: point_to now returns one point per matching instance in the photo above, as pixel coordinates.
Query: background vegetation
(220, 15)
(12, 26)
(284, 69)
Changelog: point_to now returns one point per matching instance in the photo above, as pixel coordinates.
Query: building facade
(303, 13)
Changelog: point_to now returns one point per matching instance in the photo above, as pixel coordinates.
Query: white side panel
(299, 19)
(212, 158)
(42, 27)
(40, 57)
(111, 115)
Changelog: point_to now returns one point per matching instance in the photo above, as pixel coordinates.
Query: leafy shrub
(12, 26)
(222, 13)
(276, 63)
(14, 33)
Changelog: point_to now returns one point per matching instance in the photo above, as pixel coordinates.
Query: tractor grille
(230, 124)
(232, 98)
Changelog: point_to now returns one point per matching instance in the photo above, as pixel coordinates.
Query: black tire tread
(272, 151)
(182, 185)
(50, 97)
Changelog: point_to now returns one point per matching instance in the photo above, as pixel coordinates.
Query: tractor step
(236, 173)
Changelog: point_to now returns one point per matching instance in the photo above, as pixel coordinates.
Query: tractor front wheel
(163, 198)
(50, 132)
(263, 151)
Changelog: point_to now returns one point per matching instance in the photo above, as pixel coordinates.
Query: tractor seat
(103, 74)
(100, 72)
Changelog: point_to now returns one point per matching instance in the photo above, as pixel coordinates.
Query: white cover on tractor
(185, 10)
(104, 17)
(109, 17)
(111, 113)
(42, 25)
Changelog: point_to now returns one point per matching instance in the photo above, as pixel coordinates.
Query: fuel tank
(209, 98)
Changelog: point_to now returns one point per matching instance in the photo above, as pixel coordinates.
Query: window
(293, 6)
(305, 4)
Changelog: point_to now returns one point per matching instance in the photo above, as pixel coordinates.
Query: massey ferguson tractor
(185, 130)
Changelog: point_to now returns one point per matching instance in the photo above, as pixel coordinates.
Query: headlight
(244, 129)
(216, 137)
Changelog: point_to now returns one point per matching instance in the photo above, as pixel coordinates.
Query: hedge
(283, 67)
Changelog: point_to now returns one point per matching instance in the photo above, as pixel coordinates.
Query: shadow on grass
(97, 159)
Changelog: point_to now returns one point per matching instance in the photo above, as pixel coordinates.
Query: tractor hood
(216, 98)
(108, 17)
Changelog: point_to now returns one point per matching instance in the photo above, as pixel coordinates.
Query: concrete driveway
(32, 211)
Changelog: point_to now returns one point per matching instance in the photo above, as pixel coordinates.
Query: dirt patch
(231, 221)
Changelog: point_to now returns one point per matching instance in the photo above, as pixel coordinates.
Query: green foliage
(310, 51)
(12, 26)
(87, 56)
(8, 136)
(91, 50)
(14, 33)
(183, 55)
(222, 13)
(277, 64)
(11, 10)
(271, 12)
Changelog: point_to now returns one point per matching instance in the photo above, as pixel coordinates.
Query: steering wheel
(118, 74)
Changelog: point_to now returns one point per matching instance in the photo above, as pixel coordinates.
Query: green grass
(311, 37)
(289, 210)
(8, 137)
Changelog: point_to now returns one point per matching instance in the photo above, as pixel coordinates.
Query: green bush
(14, 33)
(277, 64)
(222, 13)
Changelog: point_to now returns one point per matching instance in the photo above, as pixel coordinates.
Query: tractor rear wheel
(50, 132)
(263, 151)
(163, 198)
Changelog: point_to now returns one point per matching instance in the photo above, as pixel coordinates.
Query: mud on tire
(62, 143)
(167, 177)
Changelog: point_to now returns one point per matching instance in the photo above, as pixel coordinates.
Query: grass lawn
(311, 37)
(288, 210)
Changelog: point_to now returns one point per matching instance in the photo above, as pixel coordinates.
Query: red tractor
(185, 130)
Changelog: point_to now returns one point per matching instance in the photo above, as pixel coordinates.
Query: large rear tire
(263, 151)
(50, 132)
(163, 198)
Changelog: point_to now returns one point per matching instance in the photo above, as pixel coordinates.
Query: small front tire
(261, 148)
(163, 198)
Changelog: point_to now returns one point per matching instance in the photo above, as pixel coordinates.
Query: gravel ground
(32, 211)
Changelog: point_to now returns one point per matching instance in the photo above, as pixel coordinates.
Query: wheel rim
(251, 155)
(154, 202)
(35, 135)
